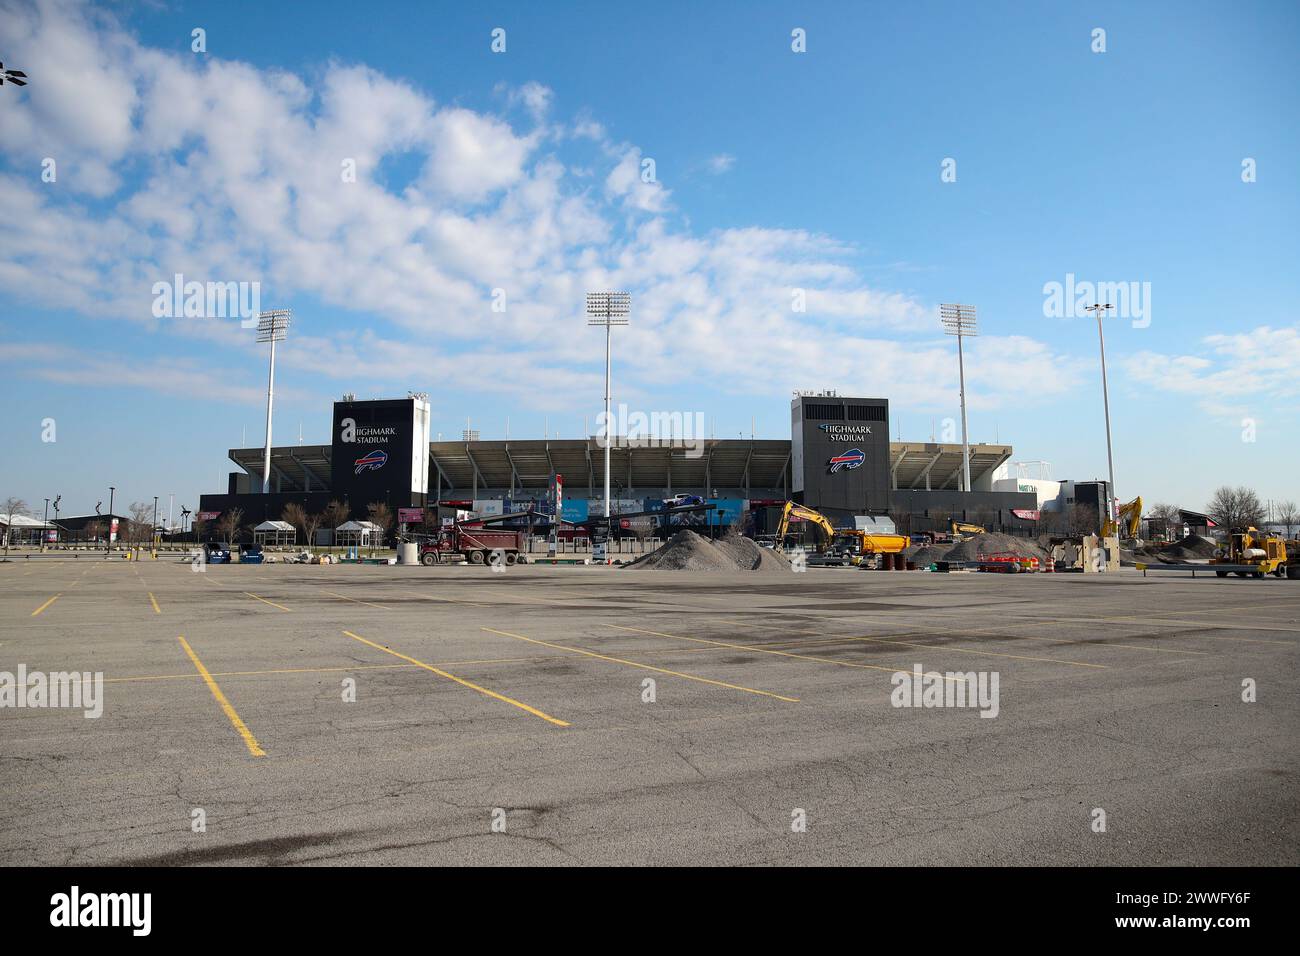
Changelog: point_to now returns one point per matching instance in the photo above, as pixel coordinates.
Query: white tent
(275, 533)
(359, 533)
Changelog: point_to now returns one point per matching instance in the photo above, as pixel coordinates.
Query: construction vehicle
(793, 510)
(845, 546)
(1131, 517)
(958, 528)
(856, 546)
(477, 545)
(1255, 553)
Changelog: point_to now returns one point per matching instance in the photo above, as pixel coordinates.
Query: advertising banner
(410, 515)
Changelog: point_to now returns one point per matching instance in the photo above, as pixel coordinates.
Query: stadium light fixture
(608, 309)
(959, 320)
(1100, 309)
(272, 327)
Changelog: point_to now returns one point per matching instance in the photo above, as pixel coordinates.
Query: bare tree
(1235, 508)
(1084, 519)
(381, 516)
(1287, 516)
(296, 515)
(1171, 516)
(12, 507)
(140, 525)
(902, 520)
(94, 529)
(228, 524)
(336, 513)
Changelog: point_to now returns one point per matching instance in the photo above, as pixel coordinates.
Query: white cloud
(721, 163)
(228, 172)
(1262, 364)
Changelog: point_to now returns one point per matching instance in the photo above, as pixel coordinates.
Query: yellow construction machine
(1131, 517)
(851, 545)
(793, 510)
(959, 529)
(1258, 553)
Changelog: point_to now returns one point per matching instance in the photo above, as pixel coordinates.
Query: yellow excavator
(793, 510)
(1131, 517)
(852, 544)
(959, 528)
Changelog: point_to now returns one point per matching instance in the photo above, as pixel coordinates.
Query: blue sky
(774, 171)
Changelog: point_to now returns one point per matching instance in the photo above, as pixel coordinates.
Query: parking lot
(590, 715)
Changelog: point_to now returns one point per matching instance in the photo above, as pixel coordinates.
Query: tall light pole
(959, 320)
(271, 327)
(1100, 309)
(45, 524)
(109, 537)
(608, 309)
(153, 532)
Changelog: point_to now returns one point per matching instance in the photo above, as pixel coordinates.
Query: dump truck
(476, 545)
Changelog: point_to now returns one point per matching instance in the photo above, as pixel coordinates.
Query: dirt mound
(1191, 547)
(926, 556)
(981, 545)
(687, 551)
(748, 556)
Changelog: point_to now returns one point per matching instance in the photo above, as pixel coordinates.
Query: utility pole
(1100, 310)
(608, 309)
(959, 320)
(272, 327)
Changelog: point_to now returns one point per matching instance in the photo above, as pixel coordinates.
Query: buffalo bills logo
(853, 458)
(373, 460)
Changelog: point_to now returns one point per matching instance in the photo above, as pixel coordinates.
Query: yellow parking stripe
(354, 600)
(764, 650)
(644, 667)
(464, 683)
(249, 740)
(46, 604)
(265, 601)
(154, 601)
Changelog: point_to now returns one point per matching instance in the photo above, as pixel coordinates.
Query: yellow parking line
(944, 630)
(265, 601)
(154, 601)
(354, 600)
(645, 667)
(763, 650)
(46, 604)
(963, 650)
(249, 740)
(464, 683)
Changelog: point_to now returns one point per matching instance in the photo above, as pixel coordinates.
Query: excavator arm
(792, 509)
(1131, 516)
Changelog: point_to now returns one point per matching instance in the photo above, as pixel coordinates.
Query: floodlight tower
(608, 309)
(1100, 310)
(959, 320)
(271, 327)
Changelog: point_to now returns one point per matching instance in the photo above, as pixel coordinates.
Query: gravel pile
(687, 551)
(748, 556)
(1189, 548)
(990, 542)
(927, 555)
